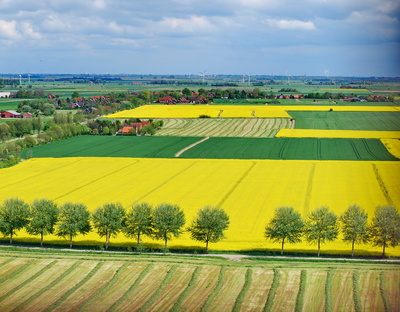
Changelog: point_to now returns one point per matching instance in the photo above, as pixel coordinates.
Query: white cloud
(9, 30)
(29, 32)
(291, 24)
(193, 24)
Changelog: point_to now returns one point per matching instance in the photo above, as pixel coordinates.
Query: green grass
(374, 121)
(111, 146)
(290, 148)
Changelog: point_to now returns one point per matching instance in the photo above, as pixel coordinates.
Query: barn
(14, 114)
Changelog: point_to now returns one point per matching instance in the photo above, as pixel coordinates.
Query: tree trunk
(107, 240)
(352, 248)
(138, 238)
(11, 238)
(70, 241)
(207, 246)
(283, 243)
(165, 242)
(319, 248)
(41, 239)
(383, 252)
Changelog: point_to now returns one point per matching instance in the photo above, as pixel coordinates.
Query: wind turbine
(243, 75)
(249, 79)
(202, 74)
(20, 79)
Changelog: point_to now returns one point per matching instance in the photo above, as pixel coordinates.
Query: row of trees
(323, 225)
(164, 222)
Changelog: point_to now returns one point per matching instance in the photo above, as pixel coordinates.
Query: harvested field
(68, 281)
(350, 134)
(254, 127)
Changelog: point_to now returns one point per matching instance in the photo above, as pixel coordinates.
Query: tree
(286, 224)
(14, 215)
(321, 227)
(139, 221)
(73, 219)
(209, 225)
(168, 219)
(44, 214)
(385, 227)
(354, 226)
(109, 220)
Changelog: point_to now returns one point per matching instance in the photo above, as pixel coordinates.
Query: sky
(258, 37)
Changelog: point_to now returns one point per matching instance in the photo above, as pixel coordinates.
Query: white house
(5, 94)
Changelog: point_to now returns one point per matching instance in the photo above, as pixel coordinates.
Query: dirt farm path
(231, 257)
(190, 146)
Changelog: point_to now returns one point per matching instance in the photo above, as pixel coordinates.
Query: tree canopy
(286, 224)
(209, 225)
(109, 220)
(73, 219)
(168, 219)
(44, 214)
(321, 227)
(14, 215)
(139, 221)
(354, 226)
(385, 227)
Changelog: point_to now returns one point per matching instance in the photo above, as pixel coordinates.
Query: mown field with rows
(215, 147)
(248, 190)
(224, 127)
(61, 281)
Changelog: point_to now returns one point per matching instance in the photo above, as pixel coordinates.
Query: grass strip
(17, 271)
(302, 290)
(131, 289)
(272, 291)
(328, 291)
(356, 291)
(160, 288)
(45, 289)
(188, 289)
(73, 289)
(240, 298)
(25, 282)
(110, 284)
(216, 290)
(382, 290)
(6, 262)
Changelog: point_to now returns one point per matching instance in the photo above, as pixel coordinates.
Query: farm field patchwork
(214, 147)
(223, 127)
(248, 190)
(124, 282)
(373, 121)
(236, 111)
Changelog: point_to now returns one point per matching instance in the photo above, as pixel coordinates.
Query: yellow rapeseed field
(235, 111)
(393, 146)
(249, 191)
(343, 134)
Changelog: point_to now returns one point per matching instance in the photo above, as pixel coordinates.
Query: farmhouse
(5, 94)
(134, 125)
(14, 114)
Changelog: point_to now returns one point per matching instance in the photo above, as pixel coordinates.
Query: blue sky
(294, 37)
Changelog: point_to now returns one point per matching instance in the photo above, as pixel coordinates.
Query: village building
(14, 114)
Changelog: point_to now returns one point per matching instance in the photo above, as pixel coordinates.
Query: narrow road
(190, 146)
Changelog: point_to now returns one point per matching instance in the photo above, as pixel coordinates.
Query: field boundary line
(190, 146)
(382, 186)
(245, 174)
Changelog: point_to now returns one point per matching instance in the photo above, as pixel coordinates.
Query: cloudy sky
(294, 37)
